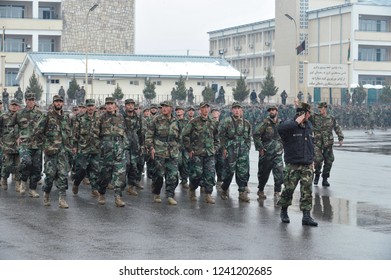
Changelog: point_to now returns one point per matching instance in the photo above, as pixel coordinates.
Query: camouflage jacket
(8, 133)
(181, 124)
(27, 121)
(112, 127)
(266, 136)
(55, 134)
(323, 130)
(163, 135)
(235, 131)
(201, 137)
(134, 131)
(86, 133)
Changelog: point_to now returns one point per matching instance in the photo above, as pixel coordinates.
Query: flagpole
(349, 63)
(296, 58)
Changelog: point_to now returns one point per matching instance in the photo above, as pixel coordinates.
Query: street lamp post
(86, 78)
(296, 61)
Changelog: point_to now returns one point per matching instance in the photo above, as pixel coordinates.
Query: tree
(35, 87)
(208, 94)
(385, 95)
(149, 90)
(181, 91)
(268, 86)
(73, 88)
(240, 93)
(118, 94)
(359, 95)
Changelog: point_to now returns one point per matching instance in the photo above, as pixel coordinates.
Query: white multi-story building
(62, 25)
(328, 29)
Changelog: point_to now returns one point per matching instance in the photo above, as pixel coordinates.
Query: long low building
(129, 72)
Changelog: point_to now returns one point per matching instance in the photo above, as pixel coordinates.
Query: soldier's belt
(112, 138)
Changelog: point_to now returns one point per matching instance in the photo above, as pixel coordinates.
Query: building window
(11, 11)
(46, 45)
(373, 25)
(202, 84)
(134, 83)
(46, 12)
(10, 78)
(54, 81)
(158, 83)
(111, 82)
(371, 54)
(14, 45)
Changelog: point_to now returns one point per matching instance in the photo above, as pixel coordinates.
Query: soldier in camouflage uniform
(201, 141)
(183, 161)
(1, 146)
(323, 125)
(133, 125)
(30, 166)
(86, 148)
(8, 136)
(268, 143)
(297, 139)
(162, 141)
(235, 138)
(219, 161)
(112, 153)
(55, 133)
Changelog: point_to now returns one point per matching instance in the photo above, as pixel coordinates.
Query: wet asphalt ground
(354, 217)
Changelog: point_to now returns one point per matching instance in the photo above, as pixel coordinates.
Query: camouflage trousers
(183, 165)
(56, 171)
(165, 169)
(237, 162)
(87, 165)
(112, 167)
(270, 163)
(132, 172)
(30, 165)
(11, 165)
(325, 155)
(219, 166)
(140, 165)
(293, 174)
(202, 168)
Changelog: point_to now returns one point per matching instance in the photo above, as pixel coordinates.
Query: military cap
(179, 108)
(130, 100)
(14, 102)
(102, 107)
(272, 107)
(75, 108)
(303, 107)
(58, 98)
(153, 106)
(203, 104)
(90, 102)
(215, 109)
(110, 100)
(166, 103)
(146, 109)
(29, 95)
(190, 108)
(322, 105)
(82, 105)
(236, 104)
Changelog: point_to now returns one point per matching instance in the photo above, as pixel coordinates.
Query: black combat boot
(284, 215)
(316, 179)
(307, 219)
(325, 183)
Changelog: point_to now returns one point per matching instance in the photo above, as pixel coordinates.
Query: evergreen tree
(385, 95)
(181, 91)
(118, 94)
(35, 87)
(268, 86)
(240, 93)
(73, 88)
(149, 91)
(208, 94)
(361, 95)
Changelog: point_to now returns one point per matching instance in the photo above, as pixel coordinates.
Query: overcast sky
(172, 27)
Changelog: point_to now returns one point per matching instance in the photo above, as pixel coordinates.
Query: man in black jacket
(298, 145)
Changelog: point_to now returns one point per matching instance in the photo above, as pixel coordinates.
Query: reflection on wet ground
(379, 142)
